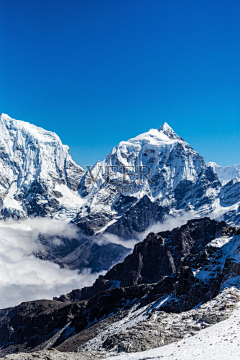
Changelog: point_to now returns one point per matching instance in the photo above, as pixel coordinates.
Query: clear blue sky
(100, 71)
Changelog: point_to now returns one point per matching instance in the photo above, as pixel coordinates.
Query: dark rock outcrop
(157, 256)
(171, 272)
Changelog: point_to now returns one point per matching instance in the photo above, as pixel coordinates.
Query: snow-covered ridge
(39, 177)
(179, 179)
(36, 171)
(226, 173)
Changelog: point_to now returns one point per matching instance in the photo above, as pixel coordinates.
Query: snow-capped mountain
(38, 176)
(226, 173)
(137, 184)
(179, 179)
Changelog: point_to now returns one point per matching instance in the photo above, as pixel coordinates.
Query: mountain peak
(165, 127)
(4, 116)
(167, 130)
(38, 175)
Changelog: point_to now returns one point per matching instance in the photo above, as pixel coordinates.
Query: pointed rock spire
(167, 130)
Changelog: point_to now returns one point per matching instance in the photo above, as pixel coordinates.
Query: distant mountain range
(39, 178)
(137, 185)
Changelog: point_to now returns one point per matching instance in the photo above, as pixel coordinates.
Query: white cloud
(111, 238)
(25, 277)
(169, 223)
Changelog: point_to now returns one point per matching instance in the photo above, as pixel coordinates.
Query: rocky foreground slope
(118, 314)
(216, 340)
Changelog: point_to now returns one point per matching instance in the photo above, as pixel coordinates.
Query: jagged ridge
(209, 263)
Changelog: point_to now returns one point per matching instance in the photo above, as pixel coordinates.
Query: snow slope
(220, 341)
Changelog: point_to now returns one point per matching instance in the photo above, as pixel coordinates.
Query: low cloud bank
(114, 239)
(23, 276)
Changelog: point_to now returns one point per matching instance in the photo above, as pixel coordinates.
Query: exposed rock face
(32, 323)
(192, 264)
(81, 253)
(93, 256)
(160, 255)
(52, 354)
(138, 218)
(230, 193)
(157, 256)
